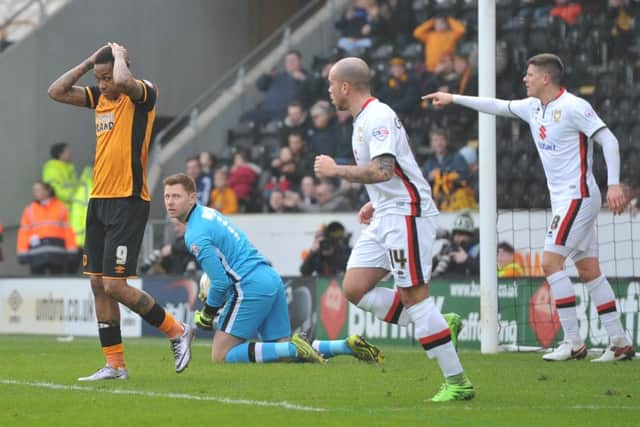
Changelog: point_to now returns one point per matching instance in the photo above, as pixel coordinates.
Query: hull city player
(125, 109)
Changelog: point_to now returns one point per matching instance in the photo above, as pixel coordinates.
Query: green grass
(512, 390)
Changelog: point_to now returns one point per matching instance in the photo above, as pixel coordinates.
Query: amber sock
(114, 355)
(171, 327)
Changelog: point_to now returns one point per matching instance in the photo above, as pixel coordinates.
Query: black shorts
(115, 228)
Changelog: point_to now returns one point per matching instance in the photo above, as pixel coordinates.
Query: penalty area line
(153, 394)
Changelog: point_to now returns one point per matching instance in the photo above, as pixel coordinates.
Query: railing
(21, 22)
(235, 76)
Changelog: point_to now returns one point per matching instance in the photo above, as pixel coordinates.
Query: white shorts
(399, 244)
(572, 232)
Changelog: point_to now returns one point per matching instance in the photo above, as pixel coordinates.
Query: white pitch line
(226, 400)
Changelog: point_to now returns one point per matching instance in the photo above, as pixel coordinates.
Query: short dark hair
(294, 52)
(298, 134)
(439, 131)
(195, 158)
(57, 149)
(48, 187)
(182, 179)
(296, 104)
(550, 63)
(105, 56)
(505, 246)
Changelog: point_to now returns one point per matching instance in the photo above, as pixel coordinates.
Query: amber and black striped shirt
(123, 133)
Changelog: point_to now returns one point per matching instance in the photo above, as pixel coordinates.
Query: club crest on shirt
(194, 249)
(556, 115)
(380, 133)
(589, 113)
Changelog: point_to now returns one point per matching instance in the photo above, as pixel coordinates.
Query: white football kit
(562, 131)
(402, 231)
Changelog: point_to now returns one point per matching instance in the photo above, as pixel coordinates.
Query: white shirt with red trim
(562, 131)
(377, 131)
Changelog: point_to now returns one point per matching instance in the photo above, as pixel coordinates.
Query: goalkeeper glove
(204, 319)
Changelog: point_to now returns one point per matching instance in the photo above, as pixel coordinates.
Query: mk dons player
(564, 127)
(119, 202)
(401, 224)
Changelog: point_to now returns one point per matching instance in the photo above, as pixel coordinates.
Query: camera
(326, 243)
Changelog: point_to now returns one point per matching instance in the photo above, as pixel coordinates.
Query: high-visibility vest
(62, 177)
(45, 230)
(80, 205)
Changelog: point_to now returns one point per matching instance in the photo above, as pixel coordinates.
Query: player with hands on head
(563, 127)
(125, 110)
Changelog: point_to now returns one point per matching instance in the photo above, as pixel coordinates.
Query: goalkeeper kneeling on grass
(243, 291)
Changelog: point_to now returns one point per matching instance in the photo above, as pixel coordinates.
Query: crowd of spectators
(416, 47)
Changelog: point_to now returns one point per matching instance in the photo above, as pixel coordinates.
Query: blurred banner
(56, 306)
(527, 316)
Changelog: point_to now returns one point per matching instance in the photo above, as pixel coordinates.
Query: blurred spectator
(318, 82)
(242, 179)
(440, 35)
(45, 238)
(328, 200)
(567, 10)
(507, 265)
(202, 180)
(61, 173)
(207, 163)
(400, 20)
(297, 120)
(470, 154)
(354, 26)
(344, 132)
(623, 17)
(281, 167)
(460, 253)
(78, 213)
(223, 198)
(323, 132)
(283, 201)
(400, 91)
(448, 174)
(307, 192)
(281, 88)
(329, 252)
(452, 74)
(534, 9)
(301, 157)
(173, 258)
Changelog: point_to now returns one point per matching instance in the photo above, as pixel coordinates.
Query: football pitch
(38, 387)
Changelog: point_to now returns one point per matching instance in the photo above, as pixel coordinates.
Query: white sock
(565, 299)
(385, 304)
(433, 333)
(605, 302)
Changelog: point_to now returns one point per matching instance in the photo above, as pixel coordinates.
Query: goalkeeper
(245, 291)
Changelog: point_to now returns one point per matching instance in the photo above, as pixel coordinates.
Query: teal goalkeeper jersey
(222, 250)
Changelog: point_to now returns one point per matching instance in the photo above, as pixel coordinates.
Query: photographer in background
(329, 252)
(172, 258)
(460, 253)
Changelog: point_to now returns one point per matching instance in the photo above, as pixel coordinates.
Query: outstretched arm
(380, 169)
(63, 89)
(497, 107)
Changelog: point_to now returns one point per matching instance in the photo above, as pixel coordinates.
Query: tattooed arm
(380, 169)
(63, 89)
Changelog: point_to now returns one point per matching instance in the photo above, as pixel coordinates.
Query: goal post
(487, 179)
